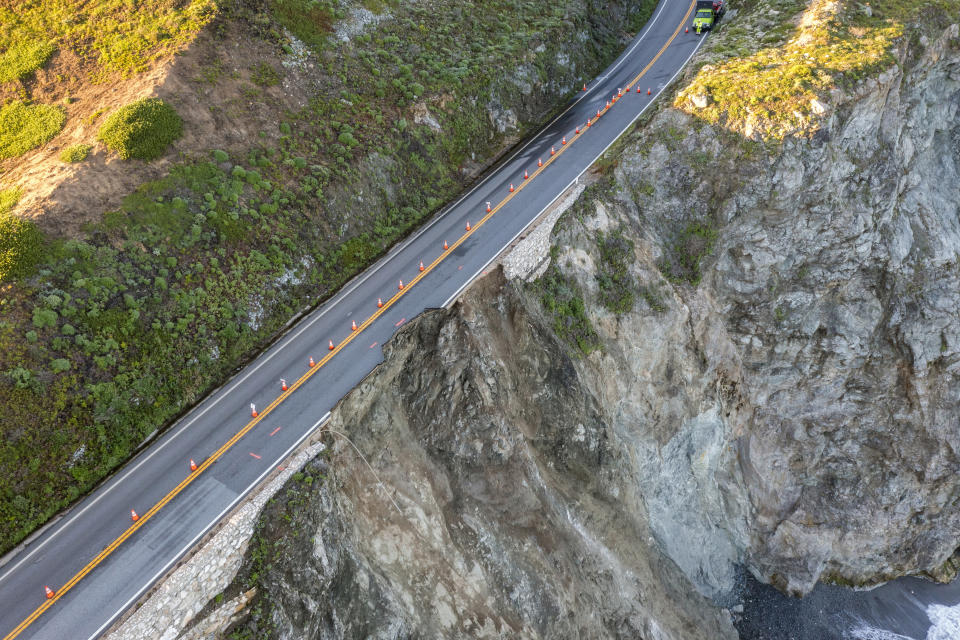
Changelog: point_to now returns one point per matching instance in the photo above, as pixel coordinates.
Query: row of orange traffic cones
(50, 593)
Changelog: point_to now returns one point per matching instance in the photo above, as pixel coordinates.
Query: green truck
(708, 12)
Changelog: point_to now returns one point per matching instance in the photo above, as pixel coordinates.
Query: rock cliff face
(767, 374)
(807, 389)
(498, 501)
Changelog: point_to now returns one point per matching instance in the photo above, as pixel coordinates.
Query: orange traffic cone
(133, 515)
(526, 176)
(608, 104)
(445, 245)
(584, 87)
(552, 151)
(687, 30)
(638, 89)
(330, 347)
(648, 91)
(253, 410)
(511, 187)
(421, 265)
(488, 207)
(468, 225)
(564, 141)
(578, 128)
(311, 363)
(193, 465)
(353, 325)
(400, 286)
(539, 162)
(588, 123)
(379, 303)
(598, 113)
(48, 591)
(283, 384)
(619, 93)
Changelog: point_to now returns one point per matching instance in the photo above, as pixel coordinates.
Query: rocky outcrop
(485, 498)
(807, 388)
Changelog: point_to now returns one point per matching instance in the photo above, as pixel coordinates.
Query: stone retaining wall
(185, 592)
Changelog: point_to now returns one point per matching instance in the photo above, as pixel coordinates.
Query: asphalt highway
(99, 562)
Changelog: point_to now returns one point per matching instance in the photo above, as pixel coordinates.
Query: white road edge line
(206, 529)
(310, 320)
(572, 182)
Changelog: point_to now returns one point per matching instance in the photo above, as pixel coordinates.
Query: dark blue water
(898, 610)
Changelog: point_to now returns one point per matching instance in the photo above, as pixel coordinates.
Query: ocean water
(905, 609)
(866, 632)
(944, 625)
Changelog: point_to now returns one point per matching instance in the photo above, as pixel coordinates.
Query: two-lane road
(98, 561)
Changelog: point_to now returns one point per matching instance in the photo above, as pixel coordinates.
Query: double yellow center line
(100, 557)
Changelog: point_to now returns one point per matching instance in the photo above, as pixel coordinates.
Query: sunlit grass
(21, 243)
(23, 57)
(123, 36)
(26, 126)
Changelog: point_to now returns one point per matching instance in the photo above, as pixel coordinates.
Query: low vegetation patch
(75, 153)
(8, 198)
(142, 129)
(693, 244)
(563, 299)
(26, 126)
(23, 57)
(21, 243)
(617, 286)
(264, 75)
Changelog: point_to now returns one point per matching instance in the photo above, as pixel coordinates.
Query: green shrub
(59, 365)
(220, 156)
(20, 376)
(75, 153)
(356, 253)
(43, 318)
(26, 126)
(141, 129)
(23, 58)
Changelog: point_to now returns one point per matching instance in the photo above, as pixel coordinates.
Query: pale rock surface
(804, 395)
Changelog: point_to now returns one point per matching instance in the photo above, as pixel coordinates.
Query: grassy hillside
(361, 118)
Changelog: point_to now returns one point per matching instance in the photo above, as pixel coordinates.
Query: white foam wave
(944, 625)
(945, 622)
(865, 632)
